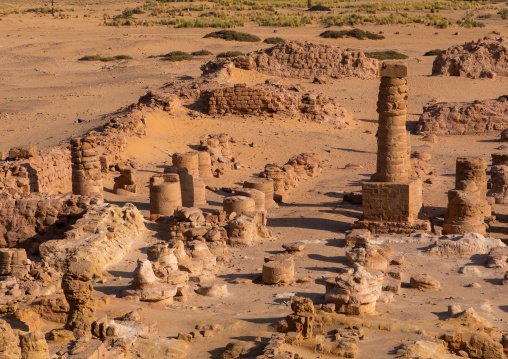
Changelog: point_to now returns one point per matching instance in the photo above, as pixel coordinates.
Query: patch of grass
(175, 56)
(386, 55)
(274, 40)
(229, 54)
(503, 13)
(128, 12)
(433, 52)
(392, 19)
(201, 53)
(230, 35)
(212, 22)
(104, 59)
(469, 22)
(484, 16)
(356, 33)
(319, 8)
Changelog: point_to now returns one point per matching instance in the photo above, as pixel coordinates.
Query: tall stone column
(392, 202)
(86, 167)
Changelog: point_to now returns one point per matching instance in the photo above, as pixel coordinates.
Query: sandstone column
(78, 290)
(165, 194)
(392, 203)
(86, 167)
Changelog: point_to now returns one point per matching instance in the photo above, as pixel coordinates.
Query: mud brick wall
(37, 217)
(392, 202)
(49, 172)
(464, 118)
(274, 98)
(305, 60)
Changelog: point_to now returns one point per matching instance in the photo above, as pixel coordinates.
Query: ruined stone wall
(485, 57)
(464, 118)
(272, 98)
(35, 218)
(49, 172)
(305, 60)
(103, 235)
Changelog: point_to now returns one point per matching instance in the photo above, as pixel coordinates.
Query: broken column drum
(189, 160)
(192, 187)
(472, 168)
(238, 204)
(499, 184)
(205, 164)
(165, 194)
(279, 269)
(257, 195)
(265, 185)
(86, 167)
(464, 211)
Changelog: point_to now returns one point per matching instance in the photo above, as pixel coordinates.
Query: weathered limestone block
(357, 238)
(78, 290)
(481, 58)
(23, 152)
(10, 259)
(279, 269)
(165, 194)
(238, 204)
(126, 181)
(424, 282)
(219, 148)
(148, 287)
(499, 183)
(248, 229)
(86, 167)
(34, 346)
(499, 159)
(103, 236)
(9, 342)
(370, 257)
(498, 257)
(464, 245)
(475, 345)
(354, 291)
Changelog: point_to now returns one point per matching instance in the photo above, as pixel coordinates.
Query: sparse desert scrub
(201, 53)
(319, 8)
(433, 52)
(229, 54)
(281, 20)
(357, 19)
(212, 22)
(503, 13)
(386, 55)
(104, 58)
(469, 22)
(174, 56)
(356, 33)
(273, 40)
(230, 35)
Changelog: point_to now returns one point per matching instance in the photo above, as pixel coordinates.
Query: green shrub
(433, 52)
(104, 59)
(356, 33)
(274, 40)
(201, 53)
(230, 35)
(469, 22)
(319, 8)
(229, 54)
(175, 56)
(503, 13)
(386, 55)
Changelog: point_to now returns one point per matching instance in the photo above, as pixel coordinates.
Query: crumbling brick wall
(274, 98)
(464, 118)
(305, 60)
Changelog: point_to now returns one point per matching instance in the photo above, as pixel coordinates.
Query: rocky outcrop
(487, 57)
(464, 246)
(464, 118)
(78, 290)
(103, 236)
(306, 60)
(9, 342)
(34, 346)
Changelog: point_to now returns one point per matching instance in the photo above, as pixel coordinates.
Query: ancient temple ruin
(393, 200)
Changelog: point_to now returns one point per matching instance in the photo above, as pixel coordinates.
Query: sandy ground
(45, 90)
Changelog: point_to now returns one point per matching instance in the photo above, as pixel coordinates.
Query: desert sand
(48, 96)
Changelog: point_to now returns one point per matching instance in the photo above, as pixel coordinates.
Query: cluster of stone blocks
(306, 60)
(275, 98)
(285, 177)
(218, 148)
(464, 118)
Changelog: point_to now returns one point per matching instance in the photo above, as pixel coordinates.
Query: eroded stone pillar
(165, 194)
(86, 167)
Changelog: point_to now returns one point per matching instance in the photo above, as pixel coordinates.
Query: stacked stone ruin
(306, 60)
(483, 58)
(86, 167)
(467, 203)
(286, 177)
(126, 182)
(464, 118)
(393, 201)
(165, 194)
(293, 101)
(218, 148)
